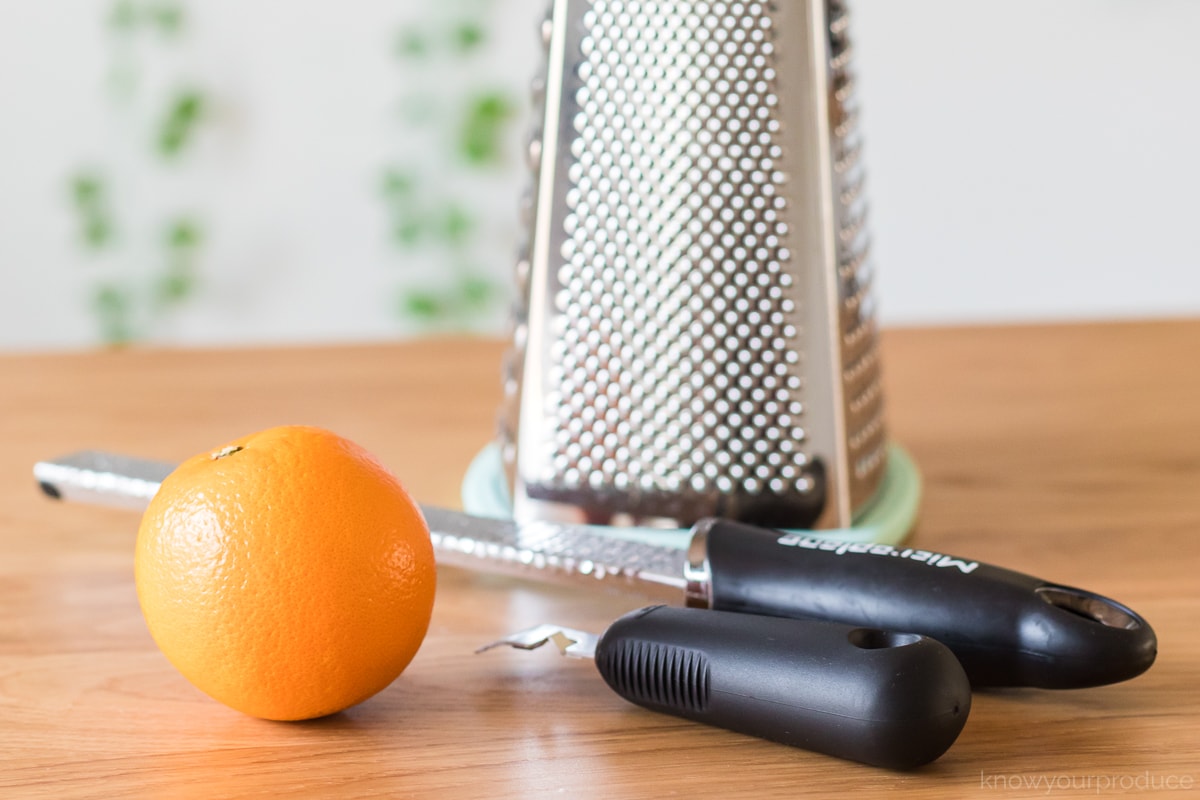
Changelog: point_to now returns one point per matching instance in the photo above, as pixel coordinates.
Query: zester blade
(546, 551)
(695, 335)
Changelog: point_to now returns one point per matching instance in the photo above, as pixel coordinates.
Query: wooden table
(1070, 452)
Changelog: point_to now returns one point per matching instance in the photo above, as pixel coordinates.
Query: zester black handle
(892, 700)
(1007, 629)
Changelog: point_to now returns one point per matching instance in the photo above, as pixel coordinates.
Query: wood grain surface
(1070, 452)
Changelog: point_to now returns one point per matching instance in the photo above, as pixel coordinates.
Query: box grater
(694, 334)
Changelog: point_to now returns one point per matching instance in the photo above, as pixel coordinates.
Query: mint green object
(886, 519)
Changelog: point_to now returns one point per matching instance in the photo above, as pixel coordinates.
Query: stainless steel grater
(695, 332)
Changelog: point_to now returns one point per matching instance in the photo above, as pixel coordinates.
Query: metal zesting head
(695, 333)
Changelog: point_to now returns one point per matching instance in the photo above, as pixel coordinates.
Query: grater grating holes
(707, 204)
(866, 433)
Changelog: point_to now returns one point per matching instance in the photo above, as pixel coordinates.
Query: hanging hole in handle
(874, 639)
(1090, 606)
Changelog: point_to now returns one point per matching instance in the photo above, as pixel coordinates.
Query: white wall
(1033, 158)
(1029, 159)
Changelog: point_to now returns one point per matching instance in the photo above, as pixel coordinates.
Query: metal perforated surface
(676, 365)
(865, 434)
(669, 321)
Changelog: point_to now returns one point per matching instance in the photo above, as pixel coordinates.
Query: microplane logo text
(870, 549)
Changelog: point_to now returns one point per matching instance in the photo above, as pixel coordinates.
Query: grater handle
(887, 699)
(1007, 628)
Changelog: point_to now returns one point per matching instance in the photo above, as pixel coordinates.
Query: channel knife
(895, 700)
(1006, 628)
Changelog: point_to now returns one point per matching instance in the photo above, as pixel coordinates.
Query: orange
(287, 574)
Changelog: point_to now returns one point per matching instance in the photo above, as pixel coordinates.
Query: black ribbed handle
(658, 674)
(892, 700)
(1007, 628)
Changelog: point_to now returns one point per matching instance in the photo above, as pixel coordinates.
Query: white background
(1029, 159)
